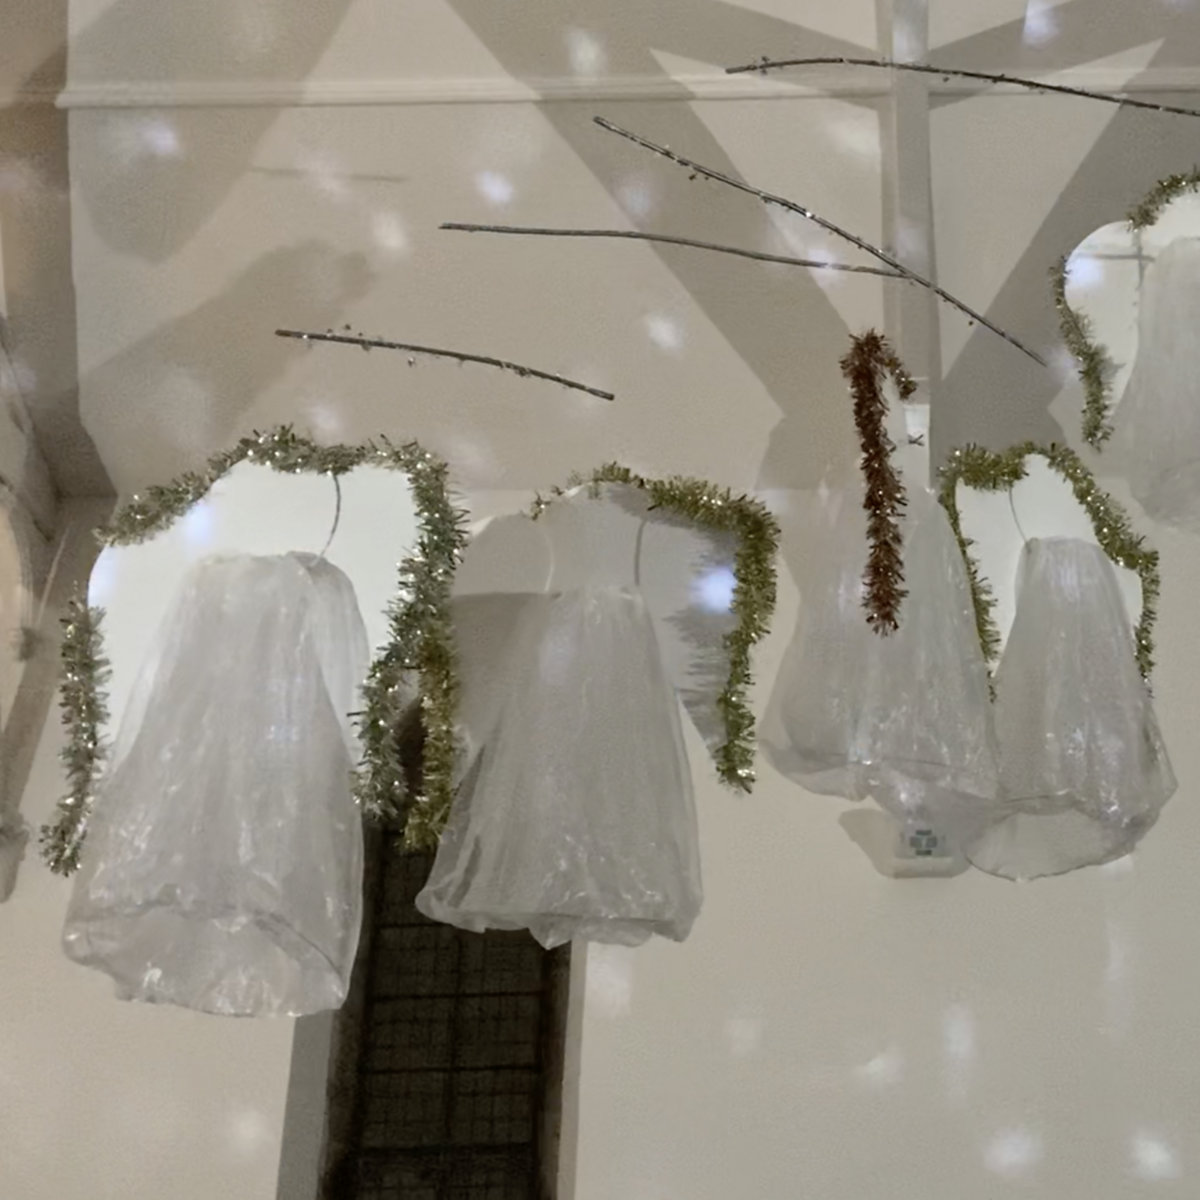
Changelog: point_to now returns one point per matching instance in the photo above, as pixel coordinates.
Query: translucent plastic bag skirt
(577, 818)
(1084, 770)
(1156, 427)
(904, 718)
(223, 864)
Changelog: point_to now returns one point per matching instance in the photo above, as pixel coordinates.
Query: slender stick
(890, 64)
(770, 198)
(367, 343)
(671, 240)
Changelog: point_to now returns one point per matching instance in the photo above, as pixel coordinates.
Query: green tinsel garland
(753, 595)
(421, 633)
(978, 468)
(84, 708)
(1160, 195)
(1095, 366)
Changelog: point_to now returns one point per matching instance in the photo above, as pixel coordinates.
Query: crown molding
(850, 83)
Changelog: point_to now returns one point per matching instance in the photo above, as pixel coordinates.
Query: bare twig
(770, 198)
(370, 343)
(671, 240)
(890, 64)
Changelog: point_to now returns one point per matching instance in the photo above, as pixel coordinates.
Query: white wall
(825, 1031)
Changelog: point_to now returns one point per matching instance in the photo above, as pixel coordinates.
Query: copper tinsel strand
(869, 360)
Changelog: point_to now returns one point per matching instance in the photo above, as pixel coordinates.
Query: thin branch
(368, 343)
(890, 64)
(671, 240)
(770, 198)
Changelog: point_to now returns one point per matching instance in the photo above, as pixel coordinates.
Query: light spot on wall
(495, 188)
(1041, 23)
(744, 1034)
(133, 139)
(882, 1071)
(18, 176)
(389, 233)
(253, 31)
(609, 980)
(906, 40)
(248, 1133)
(586, 53)
(1013, 1152)
(636, 196)
(326, 174)
(912, 241)
(958, 1049)
(713, 589)
(856, 137)
(1153, 1158)
(664, 331)
(326, 421)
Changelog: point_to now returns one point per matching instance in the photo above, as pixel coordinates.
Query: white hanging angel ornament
(901, 714)
(575, 818)
(1083, 769)
(1156, 426)
(218, 853)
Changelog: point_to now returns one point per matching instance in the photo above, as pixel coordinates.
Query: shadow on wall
(765, 316)
(990, 390)
(38, 296)
(199, 394)
(193, 158)
(192, 154)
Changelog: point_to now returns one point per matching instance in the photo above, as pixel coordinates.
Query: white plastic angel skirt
(223, 864)
(904, 718)
(1083, 766)
(1156, 437)
(577, 818)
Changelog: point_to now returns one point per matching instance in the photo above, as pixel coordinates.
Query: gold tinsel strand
(1095, 365)
(1093, 362)
(422, 641)
(869, 360)
(757, 534)
(982, 470)
(84, 708)
(1164, 191)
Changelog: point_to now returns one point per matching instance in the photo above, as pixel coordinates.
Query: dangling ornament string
(869, 360)
(771, 198)
(503, 364)
(763, 65)
(670, 240)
